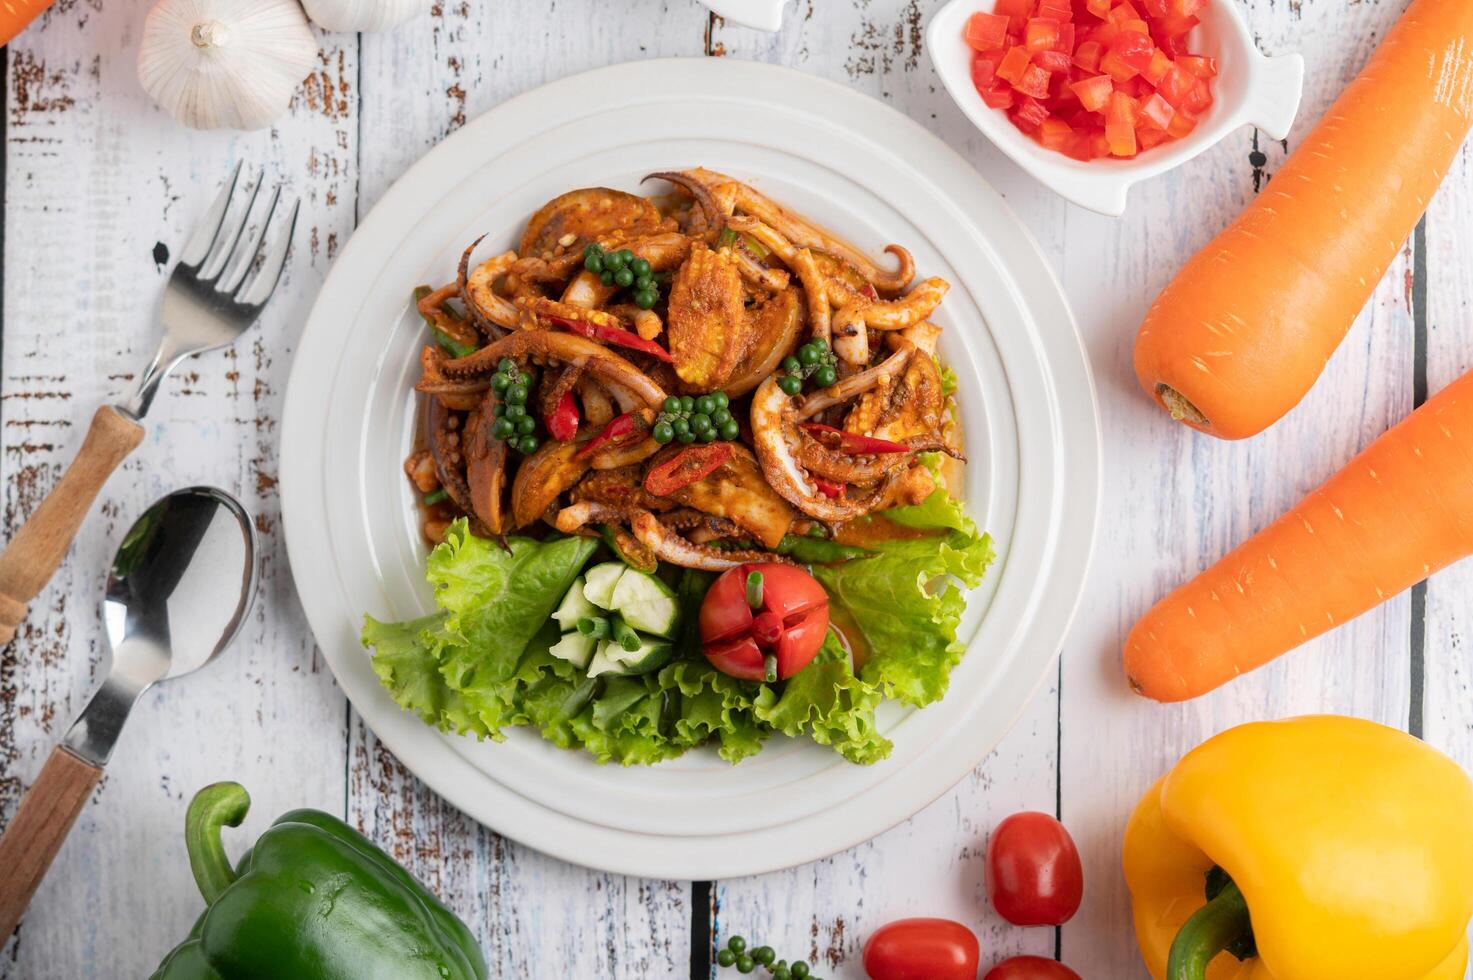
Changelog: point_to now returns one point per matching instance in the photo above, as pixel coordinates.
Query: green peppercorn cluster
(688, 419)
(813, 360)
(514, 425)
(736, 954)
(625, 270)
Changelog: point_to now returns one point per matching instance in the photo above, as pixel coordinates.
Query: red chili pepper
(851, 442)
(828, 487)
(688, 466)
(562, 424)
(869, 291)
(624, 430)
(612, 335)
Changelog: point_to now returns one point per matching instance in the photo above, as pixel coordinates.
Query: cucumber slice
(651, 655)
(635, 587)
(601, 664)
(646, 603)
(658, 616)
(601, 582)
(575, 606)
(575, 648)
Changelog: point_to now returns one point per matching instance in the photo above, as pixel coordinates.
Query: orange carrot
(1243, 331)
(1398, 512)
(16, 14)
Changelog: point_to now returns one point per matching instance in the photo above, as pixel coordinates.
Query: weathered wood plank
(421, 82)
(1177, 501)
(1447, 687)
(95, 177)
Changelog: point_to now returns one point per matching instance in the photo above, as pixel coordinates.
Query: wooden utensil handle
(37, 830)
(32, 556)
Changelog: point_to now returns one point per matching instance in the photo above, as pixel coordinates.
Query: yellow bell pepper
(1345, 851)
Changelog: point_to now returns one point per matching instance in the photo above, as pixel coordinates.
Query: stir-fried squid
(694, 377)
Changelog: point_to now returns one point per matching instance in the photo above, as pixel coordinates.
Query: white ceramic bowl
(1250, 89)
(765, 15)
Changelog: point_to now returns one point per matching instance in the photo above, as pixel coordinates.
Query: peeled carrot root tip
(1180, 408)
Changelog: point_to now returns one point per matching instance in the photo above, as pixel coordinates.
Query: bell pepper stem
(1211, 930)
(217, 806)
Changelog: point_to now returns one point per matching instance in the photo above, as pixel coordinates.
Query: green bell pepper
(313, 900)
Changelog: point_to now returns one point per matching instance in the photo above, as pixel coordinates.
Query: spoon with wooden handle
(215, 294)
(167, 611)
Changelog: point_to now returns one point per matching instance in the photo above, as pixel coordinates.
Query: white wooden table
(95, 176)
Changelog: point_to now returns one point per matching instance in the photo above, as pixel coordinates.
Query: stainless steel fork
(216, 292)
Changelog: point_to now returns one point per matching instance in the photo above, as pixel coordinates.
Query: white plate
(851, 163)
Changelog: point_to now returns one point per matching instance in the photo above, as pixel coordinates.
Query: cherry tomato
(789, 624)
(922, 949)
(1031, 968)
(1033, 872)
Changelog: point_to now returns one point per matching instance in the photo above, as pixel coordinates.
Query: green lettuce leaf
(829, 704)
(482, 663)
(406, 661)
(903, 604)
(949, 382)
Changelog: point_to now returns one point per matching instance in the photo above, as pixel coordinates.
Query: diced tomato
(1150, 136)
(1056, 62)
(1117, 67)
(1198, 98)
(1174, 46)
(1105, 32)
(1136, 88)
(1013, 65)
(984, 69)
(1041, 34)
(1121, 138)
(1135, 49)
(1017, 11)
(1182, 124)
(1157, 67)
(1122, 109)
(1126, 78)
(1035, 82)
(1094, 93)
(1081, 147)
(1175, 86)
(987, 32)
(1087, 55)
(1175, 25)
(1030, 112)
(1157, 111)
(1198, 65)
(1055, 134)
(999, 96)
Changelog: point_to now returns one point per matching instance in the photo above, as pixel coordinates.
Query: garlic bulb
(230, 64)
(362, 15)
